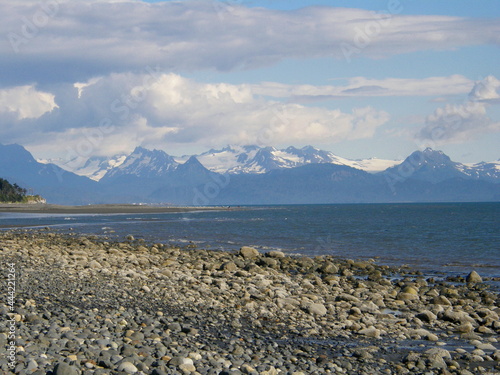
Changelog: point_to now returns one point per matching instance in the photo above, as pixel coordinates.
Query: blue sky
(358, 78)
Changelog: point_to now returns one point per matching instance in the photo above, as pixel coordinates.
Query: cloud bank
(117, 112)
(75, 40)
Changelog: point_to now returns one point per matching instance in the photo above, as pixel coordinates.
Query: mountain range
(237, 175)
(230, 159)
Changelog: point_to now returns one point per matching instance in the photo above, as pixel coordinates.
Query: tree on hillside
(11, 193)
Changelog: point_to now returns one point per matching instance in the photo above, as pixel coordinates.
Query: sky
(360, 78)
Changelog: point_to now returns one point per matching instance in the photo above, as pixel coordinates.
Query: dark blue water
(450, 238)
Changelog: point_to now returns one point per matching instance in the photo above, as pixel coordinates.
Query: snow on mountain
(435, 166)
(143, 163)
(227, 160)
(486, 171)
(94, 167)
(254, 159)
(372, 165)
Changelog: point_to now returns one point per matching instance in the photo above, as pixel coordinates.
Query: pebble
(127, 367)
(138, 308)
(316, 309)
(65, 369)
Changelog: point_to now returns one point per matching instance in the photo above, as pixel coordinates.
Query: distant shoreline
(100, 208)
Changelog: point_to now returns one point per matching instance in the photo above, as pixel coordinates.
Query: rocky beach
(90, 305)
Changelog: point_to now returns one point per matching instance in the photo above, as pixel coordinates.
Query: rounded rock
(248, 252)
(316, 309)
(127, 367)
(63, 368)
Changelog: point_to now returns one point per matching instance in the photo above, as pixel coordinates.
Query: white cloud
(125, 110)
(487, 90)
(25, 102)
(463, 122)
(192, 35)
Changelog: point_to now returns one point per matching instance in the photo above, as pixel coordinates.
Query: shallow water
(449, 238)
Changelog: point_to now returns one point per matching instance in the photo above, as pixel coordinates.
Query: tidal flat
(90, 305)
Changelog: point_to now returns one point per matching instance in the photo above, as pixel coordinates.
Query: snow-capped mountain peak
(144, 163)
(426, 164)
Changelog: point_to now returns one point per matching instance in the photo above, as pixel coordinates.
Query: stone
(486, 346)
(269, 262)
(426, 316)
(410, 290)
(437, 362)
(247, 369)
(177, 361)
(187, 368)
(426, 334)
(276, 254)
(329, 268)
(316, 309)
(370, 332)
(94, 264)
(248, 252)
(272, 371)
(465, 327)
(457, 316)
(473, 277)
(174, 327)
(32, 365)
(441, 300)
(229, 266)
(63, 368)
(443, 353)
(130, 238)
(407, 296)
(127, 367)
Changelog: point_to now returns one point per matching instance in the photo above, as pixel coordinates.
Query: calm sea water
(449, 238)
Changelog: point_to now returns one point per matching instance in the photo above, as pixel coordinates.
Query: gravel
(84, 305)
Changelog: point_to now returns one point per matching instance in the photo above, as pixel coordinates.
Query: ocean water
(449, 238)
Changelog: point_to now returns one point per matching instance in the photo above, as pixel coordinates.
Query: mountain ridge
(233, 160)
(256, 175)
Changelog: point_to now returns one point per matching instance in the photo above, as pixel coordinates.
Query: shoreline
(191, 310)
(102, 208)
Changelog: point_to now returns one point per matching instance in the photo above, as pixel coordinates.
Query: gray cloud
(466, 121)
(119, 111)
(74, 40)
